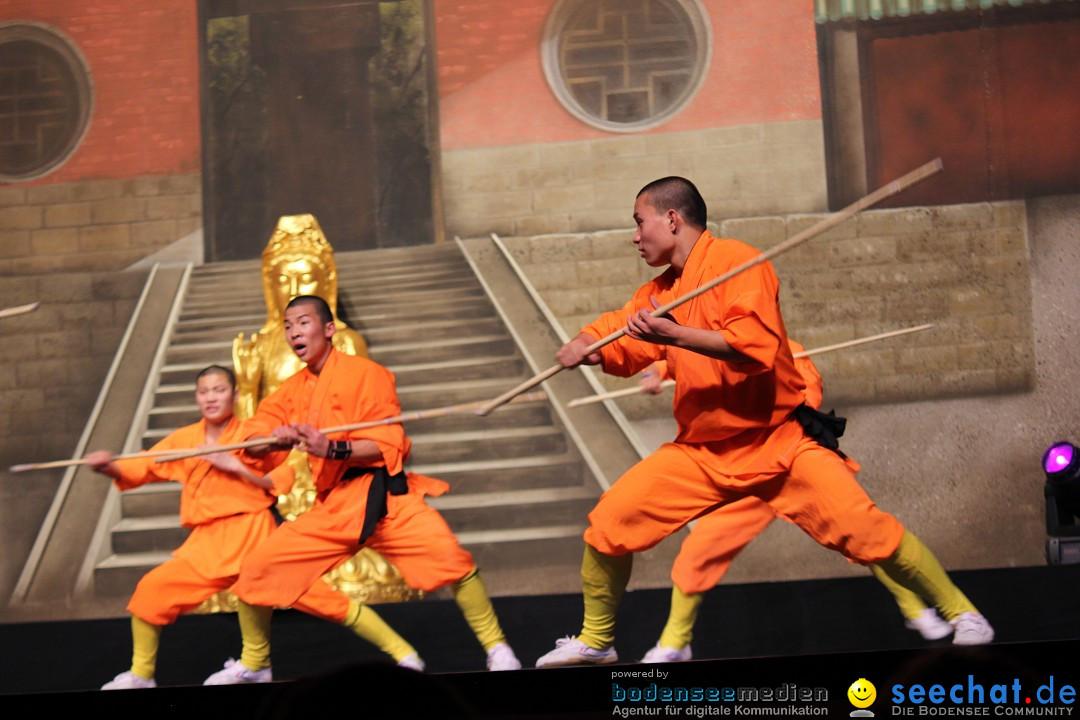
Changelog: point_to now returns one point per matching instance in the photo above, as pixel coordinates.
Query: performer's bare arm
(665, 331)
(233, 465)
(576, 353)
(362, 452)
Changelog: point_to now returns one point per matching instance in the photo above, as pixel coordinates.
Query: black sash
(381, 484)
(825, 429)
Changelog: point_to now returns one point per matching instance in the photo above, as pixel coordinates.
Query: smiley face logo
(862, 693)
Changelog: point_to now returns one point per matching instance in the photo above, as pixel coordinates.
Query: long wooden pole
(82, 461)
(896, 186)
(462, 408)
(590, 399)
(18, 310)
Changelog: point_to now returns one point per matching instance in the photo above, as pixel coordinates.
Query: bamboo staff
(462, 408)
(896, 186)
(589, 400)
(82, 461)
(18, 310)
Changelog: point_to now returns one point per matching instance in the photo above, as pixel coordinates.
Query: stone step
(547, 548)
(349, 262)
(406, 329)
(210, 305)
(444, 345)
(424, 329)
(488, 444)
(521, 472)
(515, 509)
(164, 419)
(444, 349)
(147, 534)
(149, 500)
(117, 575)
(245, 283)
(437, 395)
(470, 368)
(250, 317)
(410, 373)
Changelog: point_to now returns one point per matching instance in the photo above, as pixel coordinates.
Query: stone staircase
(520, 489)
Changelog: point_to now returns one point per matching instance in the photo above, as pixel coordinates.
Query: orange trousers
(813, 487)
(717, 538)
(413, 536)
(707, 552)
(176, 587)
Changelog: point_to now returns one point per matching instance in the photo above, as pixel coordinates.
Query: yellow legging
(913, 570)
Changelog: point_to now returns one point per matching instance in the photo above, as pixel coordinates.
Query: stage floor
(763, 634)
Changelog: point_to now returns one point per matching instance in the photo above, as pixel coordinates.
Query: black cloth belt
(381, 484)
(824, 428)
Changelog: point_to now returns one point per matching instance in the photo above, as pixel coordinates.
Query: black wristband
(339, 450)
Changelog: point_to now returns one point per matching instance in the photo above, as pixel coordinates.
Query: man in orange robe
(228, 509)
(717, 538)
(736, 396)
(364, 497)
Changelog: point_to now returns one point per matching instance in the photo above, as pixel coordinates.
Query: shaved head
(321, 308)
(678, 194)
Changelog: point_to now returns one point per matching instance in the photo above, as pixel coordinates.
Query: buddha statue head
(298, 260)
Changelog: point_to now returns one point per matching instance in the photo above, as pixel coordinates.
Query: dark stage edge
(804, 635)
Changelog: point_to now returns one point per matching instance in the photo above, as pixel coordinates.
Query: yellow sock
(679, 630)
(255, 635)
(144, 644)
(914, 567)
(472, 598)
(910, 604)
(603, 580)
(366, 623)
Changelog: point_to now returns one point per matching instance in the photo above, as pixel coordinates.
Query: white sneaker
(412, 661)
(129, 681)
(236, 674)
(660, 654)
(971, 628)
(930, 625)
(571, 651)
(502, 657)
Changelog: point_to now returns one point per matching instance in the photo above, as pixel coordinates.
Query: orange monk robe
(412, 536)
(736, 435)
(227, 515)
(717, 538)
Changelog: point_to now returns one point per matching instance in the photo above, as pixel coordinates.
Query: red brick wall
(493, 91)
(143, 59)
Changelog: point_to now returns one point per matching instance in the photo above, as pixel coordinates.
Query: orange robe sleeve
(348, 390)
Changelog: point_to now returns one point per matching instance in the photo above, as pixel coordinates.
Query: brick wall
(964, 268)
(591, 184)
(144, 66)
(493, 91)
(55, 358)
(94, 224)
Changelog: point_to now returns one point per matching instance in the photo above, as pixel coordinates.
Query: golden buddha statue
(298, 260)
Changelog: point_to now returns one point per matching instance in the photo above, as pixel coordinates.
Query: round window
(626, 65)
(45, 100)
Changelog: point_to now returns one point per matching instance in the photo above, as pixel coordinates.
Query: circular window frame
(557, 20)
(65, 47)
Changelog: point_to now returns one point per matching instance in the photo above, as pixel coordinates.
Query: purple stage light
(1058, 457)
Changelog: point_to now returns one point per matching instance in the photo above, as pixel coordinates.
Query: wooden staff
(896, 186)
(83, 461)
(462, 408)
(18, 310)
(805, 353)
